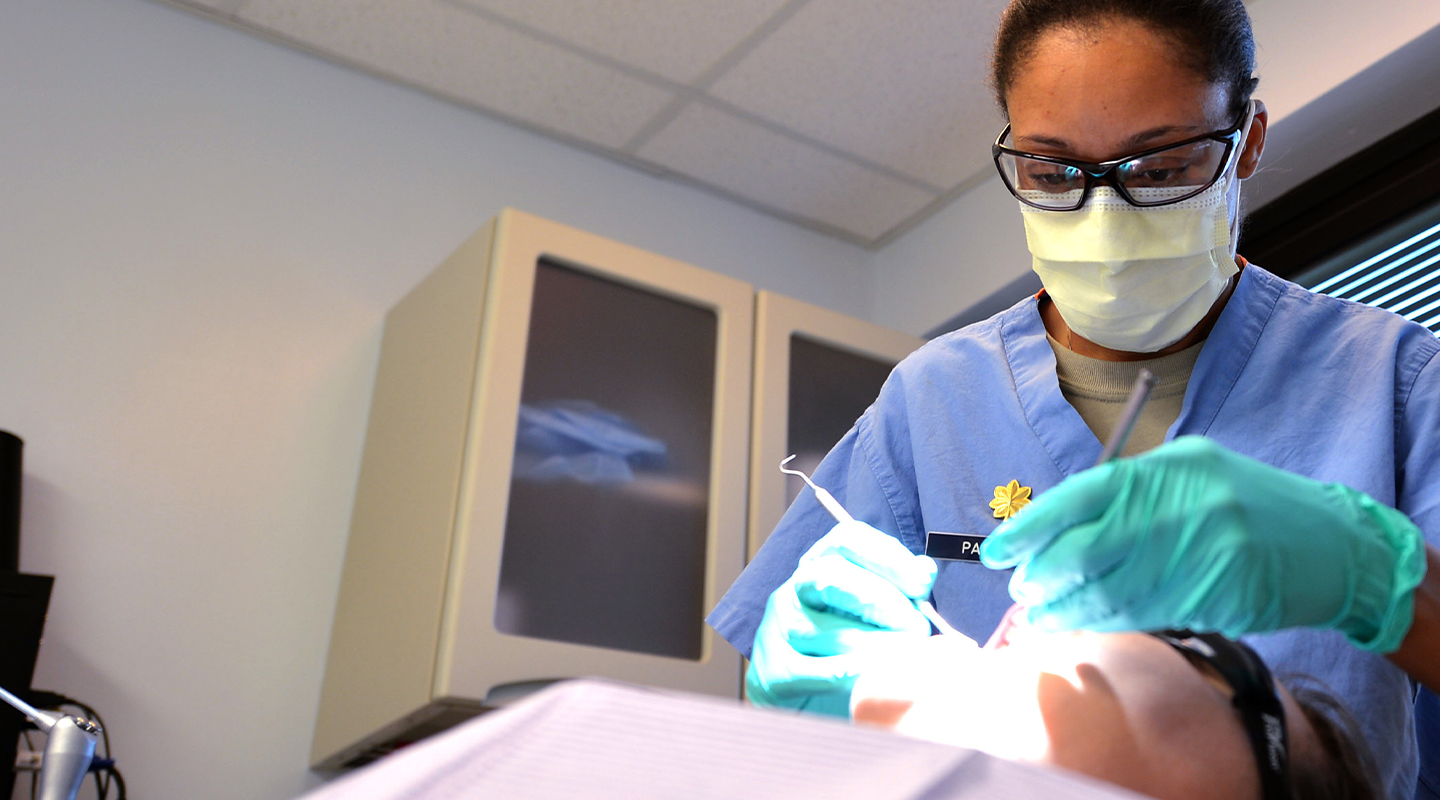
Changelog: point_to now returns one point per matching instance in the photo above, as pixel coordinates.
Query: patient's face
(1124, 708)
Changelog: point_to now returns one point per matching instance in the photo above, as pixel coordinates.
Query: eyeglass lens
(1158, 178)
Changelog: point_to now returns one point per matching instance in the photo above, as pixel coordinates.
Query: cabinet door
(605, 537)
(816, 371)
(602, 510)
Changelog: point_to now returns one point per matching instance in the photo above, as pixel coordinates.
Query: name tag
(954, 546)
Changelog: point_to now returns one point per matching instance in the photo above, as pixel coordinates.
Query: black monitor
(24, 600)
(11, 448)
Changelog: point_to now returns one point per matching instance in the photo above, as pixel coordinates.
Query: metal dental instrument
(841, 515)
(69, 749)
(938, 621)
(826, 499)
(1139, 396)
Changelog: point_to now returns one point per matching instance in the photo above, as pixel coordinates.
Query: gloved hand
(1191, 535)
(852, 592)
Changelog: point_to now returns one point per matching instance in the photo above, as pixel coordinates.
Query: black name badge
(954, 546)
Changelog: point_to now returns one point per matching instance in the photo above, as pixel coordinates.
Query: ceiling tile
(774, 170)
(454, 52)
(901, 83)
(678, 40)
(222, 6)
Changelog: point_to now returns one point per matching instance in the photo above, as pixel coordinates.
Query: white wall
(970, 248)
(200, 234)
(1305, 48)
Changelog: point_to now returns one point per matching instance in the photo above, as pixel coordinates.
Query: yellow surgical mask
(1130, 278)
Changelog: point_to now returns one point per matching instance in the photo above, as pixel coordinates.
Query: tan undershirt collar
(1098, 391)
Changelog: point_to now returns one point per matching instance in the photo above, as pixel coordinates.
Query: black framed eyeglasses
(1261, 710)
(1159, 176)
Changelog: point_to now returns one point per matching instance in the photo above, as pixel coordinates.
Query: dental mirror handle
(1139, 396)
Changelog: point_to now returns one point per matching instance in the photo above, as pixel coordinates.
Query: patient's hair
(1345, 769)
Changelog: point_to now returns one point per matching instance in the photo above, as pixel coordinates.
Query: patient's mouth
(1014, 618)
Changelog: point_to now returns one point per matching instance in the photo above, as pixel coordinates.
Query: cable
(99, 767)
(119, 781)
(34, 775)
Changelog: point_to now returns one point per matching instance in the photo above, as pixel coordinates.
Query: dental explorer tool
(826, 499)
(929, 612)
(841, 515)
(1139, 396)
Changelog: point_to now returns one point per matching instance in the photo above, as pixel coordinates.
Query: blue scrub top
(1325, 388)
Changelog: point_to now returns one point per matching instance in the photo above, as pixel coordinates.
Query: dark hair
(1346, 768)
(1213, 36)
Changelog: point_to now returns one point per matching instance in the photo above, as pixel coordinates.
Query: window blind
(1403, 276)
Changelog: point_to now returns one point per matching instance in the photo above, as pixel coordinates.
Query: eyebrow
(1132, 143)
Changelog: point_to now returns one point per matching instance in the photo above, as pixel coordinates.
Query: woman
(1301, 517)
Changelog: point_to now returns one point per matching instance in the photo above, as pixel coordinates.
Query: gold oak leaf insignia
(1009, 499)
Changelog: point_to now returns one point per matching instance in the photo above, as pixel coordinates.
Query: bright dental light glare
(968, 696)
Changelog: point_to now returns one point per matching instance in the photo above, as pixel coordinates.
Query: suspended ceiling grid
(857, 118)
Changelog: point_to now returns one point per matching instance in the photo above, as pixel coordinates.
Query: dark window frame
(1356, 198)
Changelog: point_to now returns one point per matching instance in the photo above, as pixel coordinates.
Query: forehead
(1188, 740)
(1097, 86)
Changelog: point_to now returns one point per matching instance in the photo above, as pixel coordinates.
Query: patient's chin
(880, 712)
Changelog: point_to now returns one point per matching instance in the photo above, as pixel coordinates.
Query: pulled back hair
(1213, 37)
(1345, 768)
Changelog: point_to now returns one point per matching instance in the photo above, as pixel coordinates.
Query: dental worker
(1282, 485)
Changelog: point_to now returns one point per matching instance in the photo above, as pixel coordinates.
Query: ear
(1254, 143)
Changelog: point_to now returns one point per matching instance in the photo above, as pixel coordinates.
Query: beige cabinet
(554, 478)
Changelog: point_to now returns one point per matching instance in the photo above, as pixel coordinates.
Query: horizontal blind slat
(1402, 279)
(1324, 286)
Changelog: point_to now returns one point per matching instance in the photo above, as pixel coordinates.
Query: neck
(1060, 332)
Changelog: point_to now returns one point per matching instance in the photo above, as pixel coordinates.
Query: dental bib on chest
(1130, 278)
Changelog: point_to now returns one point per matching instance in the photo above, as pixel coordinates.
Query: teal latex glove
(1191, 535)
(852, 591)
